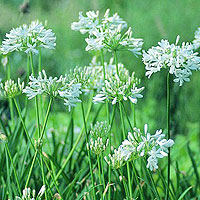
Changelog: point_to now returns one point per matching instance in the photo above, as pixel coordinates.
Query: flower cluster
(54, 87)
(80, 75)
(99, 134)
(106, 33)
(31, 195)
(140, 144)
(10, 89)
(118, 89)
(196, 41)
(115, 160)
(28, 39)
(179, 60)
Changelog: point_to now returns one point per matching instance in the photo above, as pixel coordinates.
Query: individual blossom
(99, 137)
(28, 38)
(54, 87)
(119, 89)
(11, 89)
(196, 41)
(29, 194)
(152, 146)
(178, 60)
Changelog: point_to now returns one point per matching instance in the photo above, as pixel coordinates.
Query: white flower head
(28, 39)
(179, 60)
(116, 160)
(120, 89)
(107, 32)
(144, 144)
(54, 87)
(99, 137)
(11, 89)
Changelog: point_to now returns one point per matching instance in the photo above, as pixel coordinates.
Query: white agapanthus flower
(11, 89)
(99, 137)
(107, 32)
(86, 24)
(29, 194)
(28, 39)
(97, 146)
(140, 144)
(117, 89)
(196, 41)
(81, 75)
(54, 87)
(114, 40)
(91, 22)
(179, 60)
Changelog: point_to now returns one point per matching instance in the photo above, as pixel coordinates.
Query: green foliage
(152, 21)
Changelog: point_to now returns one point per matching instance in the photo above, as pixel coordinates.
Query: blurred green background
(151, 20)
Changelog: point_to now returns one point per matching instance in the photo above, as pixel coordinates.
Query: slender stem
(42, 133)
(27, 77)
(40, 61)
(43, 176)
(8, 177)
(10, 100)
(116, 62)
(137, 181)
(23, 124)
(15, 173)
(46, 118)
(168, 132)
(99, 170)
(31, 60)
(72, 136)
(134, 115)
(75, 144)
(88, 151)
(102, 170)
(30, 171)
(108, 120)
(128, 169)
(124, 183)
(28, 68)
(148, 173)
(37, 115)
(102, 62)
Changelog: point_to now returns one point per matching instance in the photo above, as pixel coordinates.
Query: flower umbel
(99, 134)
(107, 33)
(120, 89)
(179, 60)
(54, 87)
(144, 144)
(140, 144)
(28, 39)
(10, 89)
